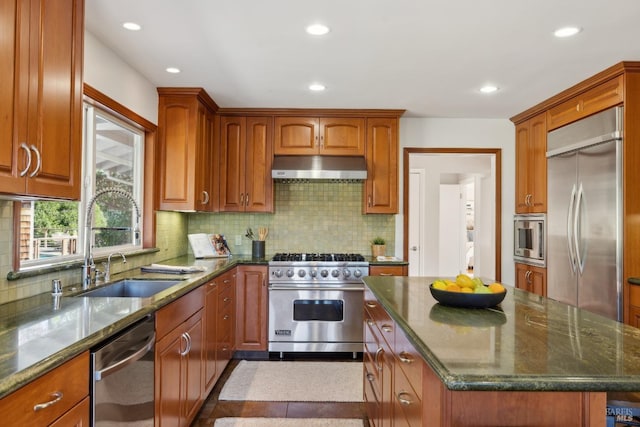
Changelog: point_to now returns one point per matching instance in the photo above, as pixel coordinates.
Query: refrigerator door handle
(570, 229)
(576, 229)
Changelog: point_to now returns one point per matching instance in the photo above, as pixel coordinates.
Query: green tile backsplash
(309, 216)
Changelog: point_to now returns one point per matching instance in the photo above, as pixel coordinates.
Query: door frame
(497, 152)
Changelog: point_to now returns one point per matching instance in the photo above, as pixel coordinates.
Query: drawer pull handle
(26, 149)
(404, 398)
(386, 274)
(405, 357)
(369, 322)
(187, 340)
(57, 397)
(371, 304)
(370, 378)
(226, 299)
(226, 317)
(379, 351)
(387, 328)
(226, 281)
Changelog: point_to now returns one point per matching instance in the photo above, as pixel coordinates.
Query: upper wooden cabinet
(599, 98)
(41, 97)
(343, 136)
(246, 155)
(186, 150)
(381, 186)
(531, 165)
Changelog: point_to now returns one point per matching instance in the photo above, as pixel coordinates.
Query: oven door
(315, 319)
(529, 235)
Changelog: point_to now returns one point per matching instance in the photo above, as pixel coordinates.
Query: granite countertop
(527, 343)
(36, 336)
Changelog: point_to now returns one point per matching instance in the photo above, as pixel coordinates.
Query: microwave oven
(529, 234)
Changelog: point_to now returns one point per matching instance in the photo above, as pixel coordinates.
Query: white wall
(465, 133)
(108, 73)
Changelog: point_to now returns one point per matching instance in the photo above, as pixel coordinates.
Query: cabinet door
(387, 270)
(55, 97)
(342, 136)
(78, 416)
(232, 156)
(204, 197)
(531, 278)
(296, 135)
(531, 165)
(257, 165)
(193, 368)
(14, 78)
(168, 379)
(251, 308)
(381, 186)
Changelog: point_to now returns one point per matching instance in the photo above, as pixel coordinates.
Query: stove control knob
(346, 273)
(357, 273)
(324, 273)
(278, 273)
(301, 273)
(335, 273)
(313, 273)
(290, 272)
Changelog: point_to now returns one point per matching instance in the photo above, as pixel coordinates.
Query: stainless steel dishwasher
(122, 378)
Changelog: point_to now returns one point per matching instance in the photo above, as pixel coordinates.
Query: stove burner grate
(321, 257)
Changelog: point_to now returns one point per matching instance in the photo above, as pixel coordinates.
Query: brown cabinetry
(599, 98)
(388, 270)
(179, 369)
(41, 98)
(251, 308)
(58, 398)
(246, 155)
(226, 319)
(186, 150)
(381, 186)
(340, 136)
(531, 278)
(531, 165)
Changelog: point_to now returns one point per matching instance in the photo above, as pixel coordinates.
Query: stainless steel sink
(132, 288)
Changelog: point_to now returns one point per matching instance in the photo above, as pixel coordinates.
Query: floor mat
(281, 381)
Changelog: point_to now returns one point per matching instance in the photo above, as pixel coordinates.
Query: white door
(451, 241)
(416, 218)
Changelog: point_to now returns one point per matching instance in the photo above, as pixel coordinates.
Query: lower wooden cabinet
(58, 398)
(388, 270)
(531, 278)
(226, 319)
(251, 308)
(179, 369)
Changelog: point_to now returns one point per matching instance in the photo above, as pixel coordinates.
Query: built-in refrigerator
(584, 217)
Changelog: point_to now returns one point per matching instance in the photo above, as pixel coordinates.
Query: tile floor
(214, 408)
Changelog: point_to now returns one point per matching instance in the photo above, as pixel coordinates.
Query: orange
(466, 290)
(453, 288)
(496, 288)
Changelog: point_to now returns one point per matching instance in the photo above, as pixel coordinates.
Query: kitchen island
(529, 361)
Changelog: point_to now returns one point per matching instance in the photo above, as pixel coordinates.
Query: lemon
(464, 281)
(439, 284)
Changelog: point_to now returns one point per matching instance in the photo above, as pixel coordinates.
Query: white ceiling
(429, 57)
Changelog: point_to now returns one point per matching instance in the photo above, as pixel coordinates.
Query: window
(53, 231)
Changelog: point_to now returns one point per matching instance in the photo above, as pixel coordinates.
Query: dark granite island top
(527, 343)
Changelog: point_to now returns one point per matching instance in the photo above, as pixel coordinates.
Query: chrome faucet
(89, 267)
(107, 267)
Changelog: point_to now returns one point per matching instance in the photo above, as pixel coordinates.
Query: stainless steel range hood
(319, 167)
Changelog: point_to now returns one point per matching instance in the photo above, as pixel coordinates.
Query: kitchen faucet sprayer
(89, 267)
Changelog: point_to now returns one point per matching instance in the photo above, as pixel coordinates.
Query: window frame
(148, 198)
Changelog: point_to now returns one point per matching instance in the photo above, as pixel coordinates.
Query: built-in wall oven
(315, 302)
(122, 391)
(529, 235)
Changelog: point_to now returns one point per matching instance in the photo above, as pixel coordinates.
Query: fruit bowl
(467, 300)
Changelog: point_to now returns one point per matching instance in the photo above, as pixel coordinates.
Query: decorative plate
(467, 300)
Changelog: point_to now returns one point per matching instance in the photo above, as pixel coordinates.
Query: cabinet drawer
(63, 387)
(409, 361)
(387, 270)
(407, 403)
(592, 101)
(225, 297)
(174, 314)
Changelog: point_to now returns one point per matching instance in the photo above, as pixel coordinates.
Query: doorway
(452, 211)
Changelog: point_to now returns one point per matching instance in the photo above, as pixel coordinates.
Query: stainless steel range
(315, 302)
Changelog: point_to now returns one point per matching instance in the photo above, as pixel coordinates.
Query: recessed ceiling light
(488, 89)
(317, 29)
(566, 31)
(317, 87)
(131, 26)
(173, 70)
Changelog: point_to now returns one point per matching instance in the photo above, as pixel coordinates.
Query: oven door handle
(99, 375)
(313, 288)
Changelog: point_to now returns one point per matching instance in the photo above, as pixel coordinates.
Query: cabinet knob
(386, 328)
(404, 398)
(405, 357)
